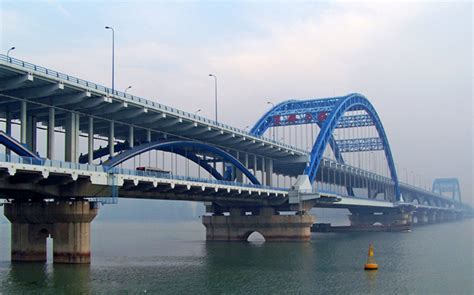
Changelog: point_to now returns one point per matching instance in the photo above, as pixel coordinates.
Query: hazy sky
(413, 60)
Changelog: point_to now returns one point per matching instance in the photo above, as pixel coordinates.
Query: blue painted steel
(104, 151)
(334, 148)
(329, 113)
(14, 145)
(447, 185)
(351, 102)
(186, 149)
(360, 144)
(355, 121)
(293, 112)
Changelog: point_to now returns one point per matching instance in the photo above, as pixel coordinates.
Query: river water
(161, 258)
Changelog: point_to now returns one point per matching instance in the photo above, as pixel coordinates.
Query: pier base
(66, 222)
(238, 226)
(394, 219)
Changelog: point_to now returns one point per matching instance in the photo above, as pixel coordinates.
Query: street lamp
(113, 55)
(127, 89)
(269, 102)
(246, 127)
(215, 92)
(8, 52)
(197, 111)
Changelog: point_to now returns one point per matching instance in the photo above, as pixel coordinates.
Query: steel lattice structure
(330, 114)
(447, 185)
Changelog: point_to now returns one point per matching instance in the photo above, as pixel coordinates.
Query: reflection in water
(174, 260)
(29, 275)
(35, 276)
(71, 277)
(371, 278)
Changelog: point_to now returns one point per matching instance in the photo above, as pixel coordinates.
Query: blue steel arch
(181, 148)
(333, 110)
(14, 145)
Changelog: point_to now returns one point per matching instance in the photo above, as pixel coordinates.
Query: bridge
(70, 145)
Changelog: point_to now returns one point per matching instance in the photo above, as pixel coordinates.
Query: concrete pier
(388, 218)
(66, 222)
(238, 226)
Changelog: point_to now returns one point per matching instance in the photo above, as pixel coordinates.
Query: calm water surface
(131, 258)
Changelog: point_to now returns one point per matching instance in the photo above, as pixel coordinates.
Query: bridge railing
(49, 163)
(132, 98)
(117, 170)
(126, 171)
(330, 192)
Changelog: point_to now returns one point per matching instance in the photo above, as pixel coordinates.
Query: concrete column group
(72, 137)
(273, 227)
(66, 222)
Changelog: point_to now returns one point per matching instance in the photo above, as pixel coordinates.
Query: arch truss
(200, 153)
(447, 185)
(350, 111)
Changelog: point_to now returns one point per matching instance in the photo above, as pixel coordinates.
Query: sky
(413, 60)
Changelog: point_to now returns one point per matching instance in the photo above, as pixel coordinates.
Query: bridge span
(70, 145)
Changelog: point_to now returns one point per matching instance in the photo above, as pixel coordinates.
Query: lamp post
(8, 53)
(127, 89)
(197, 111)
(271, 103)
(113, 57)
(215, 92)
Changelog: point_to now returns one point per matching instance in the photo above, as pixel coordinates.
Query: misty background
(413, 60)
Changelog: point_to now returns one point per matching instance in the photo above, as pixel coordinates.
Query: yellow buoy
(371, 264)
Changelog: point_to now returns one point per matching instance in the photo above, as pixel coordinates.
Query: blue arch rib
(14, 145)
(179, 147)
(104, 151)
(350, 102)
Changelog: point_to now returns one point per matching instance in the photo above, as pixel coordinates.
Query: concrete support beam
(67, 222)
(31, 135)
(269, 172)
(90, 141)
(111, 139)
(23, 114)
(148, 135)
(8, 127)
(238, 227)
(50, 138)
(239, 175)
(72, 138)
(130, 137)
(255, 165)
(420, 217)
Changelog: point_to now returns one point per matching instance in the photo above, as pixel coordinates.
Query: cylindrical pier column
(111, 139)
(67, 222)
(90, 141)
(50, 138)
